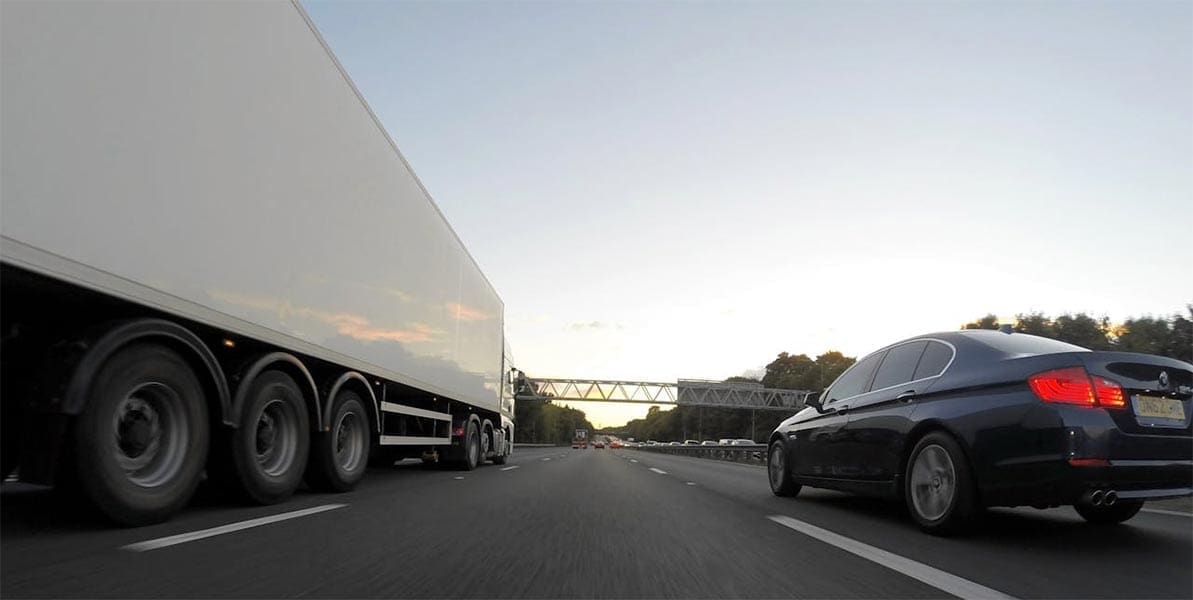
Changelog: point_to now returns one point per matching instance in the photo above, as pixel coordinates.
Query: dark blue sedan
(954, 422)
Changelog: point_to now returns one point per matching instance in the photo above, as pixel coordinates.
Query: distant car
(725, 442)
(615, 445)
(691, 442)
(708, 443)
(598, 445)
(956, 421)
(743, 442)
(674, 444)
(651, 443)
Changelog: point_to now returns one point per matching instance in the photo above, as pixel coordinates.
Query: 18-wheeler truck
(216, 263)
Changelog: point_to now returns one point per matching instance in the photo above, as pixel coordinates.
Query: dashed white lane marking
(183, 538)
(691, 483)
(548, 458)
(659, 471)
(633, 461)
(509, 468)
(1160, 511)
(945, 582)
(458, 477)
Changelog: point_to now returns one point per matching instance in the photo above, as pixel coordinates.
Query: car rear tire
(269, 449)
(1119, 512)
(339, 456)
(939, 492)
(142, 440)
(778, 472)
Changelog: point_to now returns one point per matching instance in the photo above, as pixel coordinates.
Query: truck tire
(141, 442)
(339, 456)
(270, 446)
(472, 447)
(504, 454)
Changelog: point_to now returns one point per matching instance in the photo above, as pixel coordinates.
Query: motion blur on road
(557, 523)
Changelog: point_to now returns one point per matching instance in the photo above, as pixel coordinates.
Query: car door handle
(907, 396)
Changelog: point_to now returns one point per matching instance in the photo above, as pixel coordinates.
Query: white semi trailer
(215, 259)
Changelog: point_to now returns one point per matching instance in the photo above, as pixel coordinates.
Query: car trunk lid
(1158, 391)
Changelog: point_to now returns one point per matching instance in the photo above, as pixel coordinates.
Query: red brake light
(1108, 392)
(1067, 386)
(1075, 386)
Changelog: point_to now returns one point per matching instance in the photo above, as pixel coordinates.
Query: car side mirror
(813, 400)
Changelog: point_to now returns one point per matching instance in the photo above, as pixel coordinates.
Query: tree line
(1165, 336)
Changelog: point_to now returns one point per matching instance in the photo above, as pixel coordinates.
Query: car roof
(987, 341)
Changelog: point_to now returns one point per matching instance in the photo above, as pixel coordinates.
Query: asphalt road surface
(560, 523)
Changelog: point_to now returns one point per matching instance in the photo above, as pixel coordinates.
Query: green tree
(831, 364)
(1083, 330)
(1035, 324)
(1145, 334)
(987, 322)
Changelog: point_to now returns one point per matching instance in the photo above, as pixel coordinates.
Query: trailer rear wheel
(339, 456)
(472, 447)
(270, 446)
(141, 441)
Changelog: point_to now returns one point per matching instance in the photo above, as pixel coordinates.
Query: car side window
(935, 358)
(899, 365)
(856, 380)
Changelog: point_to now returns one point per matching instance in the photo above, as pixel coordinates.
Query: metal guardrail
(754, 454)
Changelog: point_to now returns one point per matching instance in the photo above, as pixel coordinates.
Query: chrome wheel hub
(933, 482)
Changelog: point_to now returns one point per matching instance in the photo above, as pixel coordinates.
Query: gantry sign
(686, 392)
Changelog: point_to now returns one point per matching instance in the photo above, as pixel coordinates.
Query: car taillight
(1108, 392)
(458, 431)
(1075, 386)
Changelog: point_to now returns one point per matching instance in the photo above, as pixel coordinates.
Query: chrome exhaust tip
(1095, 497)
(1110, 498)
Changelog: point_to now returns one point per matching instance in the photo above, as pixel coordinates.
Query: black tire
(939, 489)
(339, 456)
(472, 447)
(141, 442)
(504, 455)
(270, 445)
(1119, 512)
(782, 483)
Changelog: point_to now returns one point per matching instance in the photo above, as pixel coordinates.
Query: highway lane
(572, 523)
(1023, 552)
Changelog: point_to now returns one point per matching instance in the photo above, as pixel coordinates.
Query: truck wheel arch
(356, 382)
(193, 350)
(292, 366)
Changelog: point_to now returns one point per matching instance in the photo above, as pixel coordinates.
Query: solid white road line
(659, 471)
(510, 468)
(1160, 511)
(183, 538)
(945, 582)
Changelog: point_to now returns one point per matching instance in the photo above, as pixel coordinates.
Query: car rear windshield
(1023, 344)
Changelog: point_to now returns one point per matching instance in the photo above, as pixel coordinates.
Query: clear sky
(685, 189)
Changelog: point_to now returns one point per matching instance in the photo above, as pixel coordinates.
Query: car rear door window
(935, 358)
(899, 365)
(856, 380)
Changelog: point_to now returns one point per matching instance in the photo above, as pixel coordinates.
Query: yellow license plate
(1164, 408)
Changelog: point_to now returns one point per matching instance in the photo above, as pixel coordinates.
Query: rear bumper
(1058, 482)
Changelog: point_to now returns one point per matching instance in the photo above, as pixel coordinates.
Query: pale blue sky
(665, 189)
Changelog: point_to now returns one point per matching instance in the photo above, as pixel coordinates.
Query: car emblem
(1163, 379)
